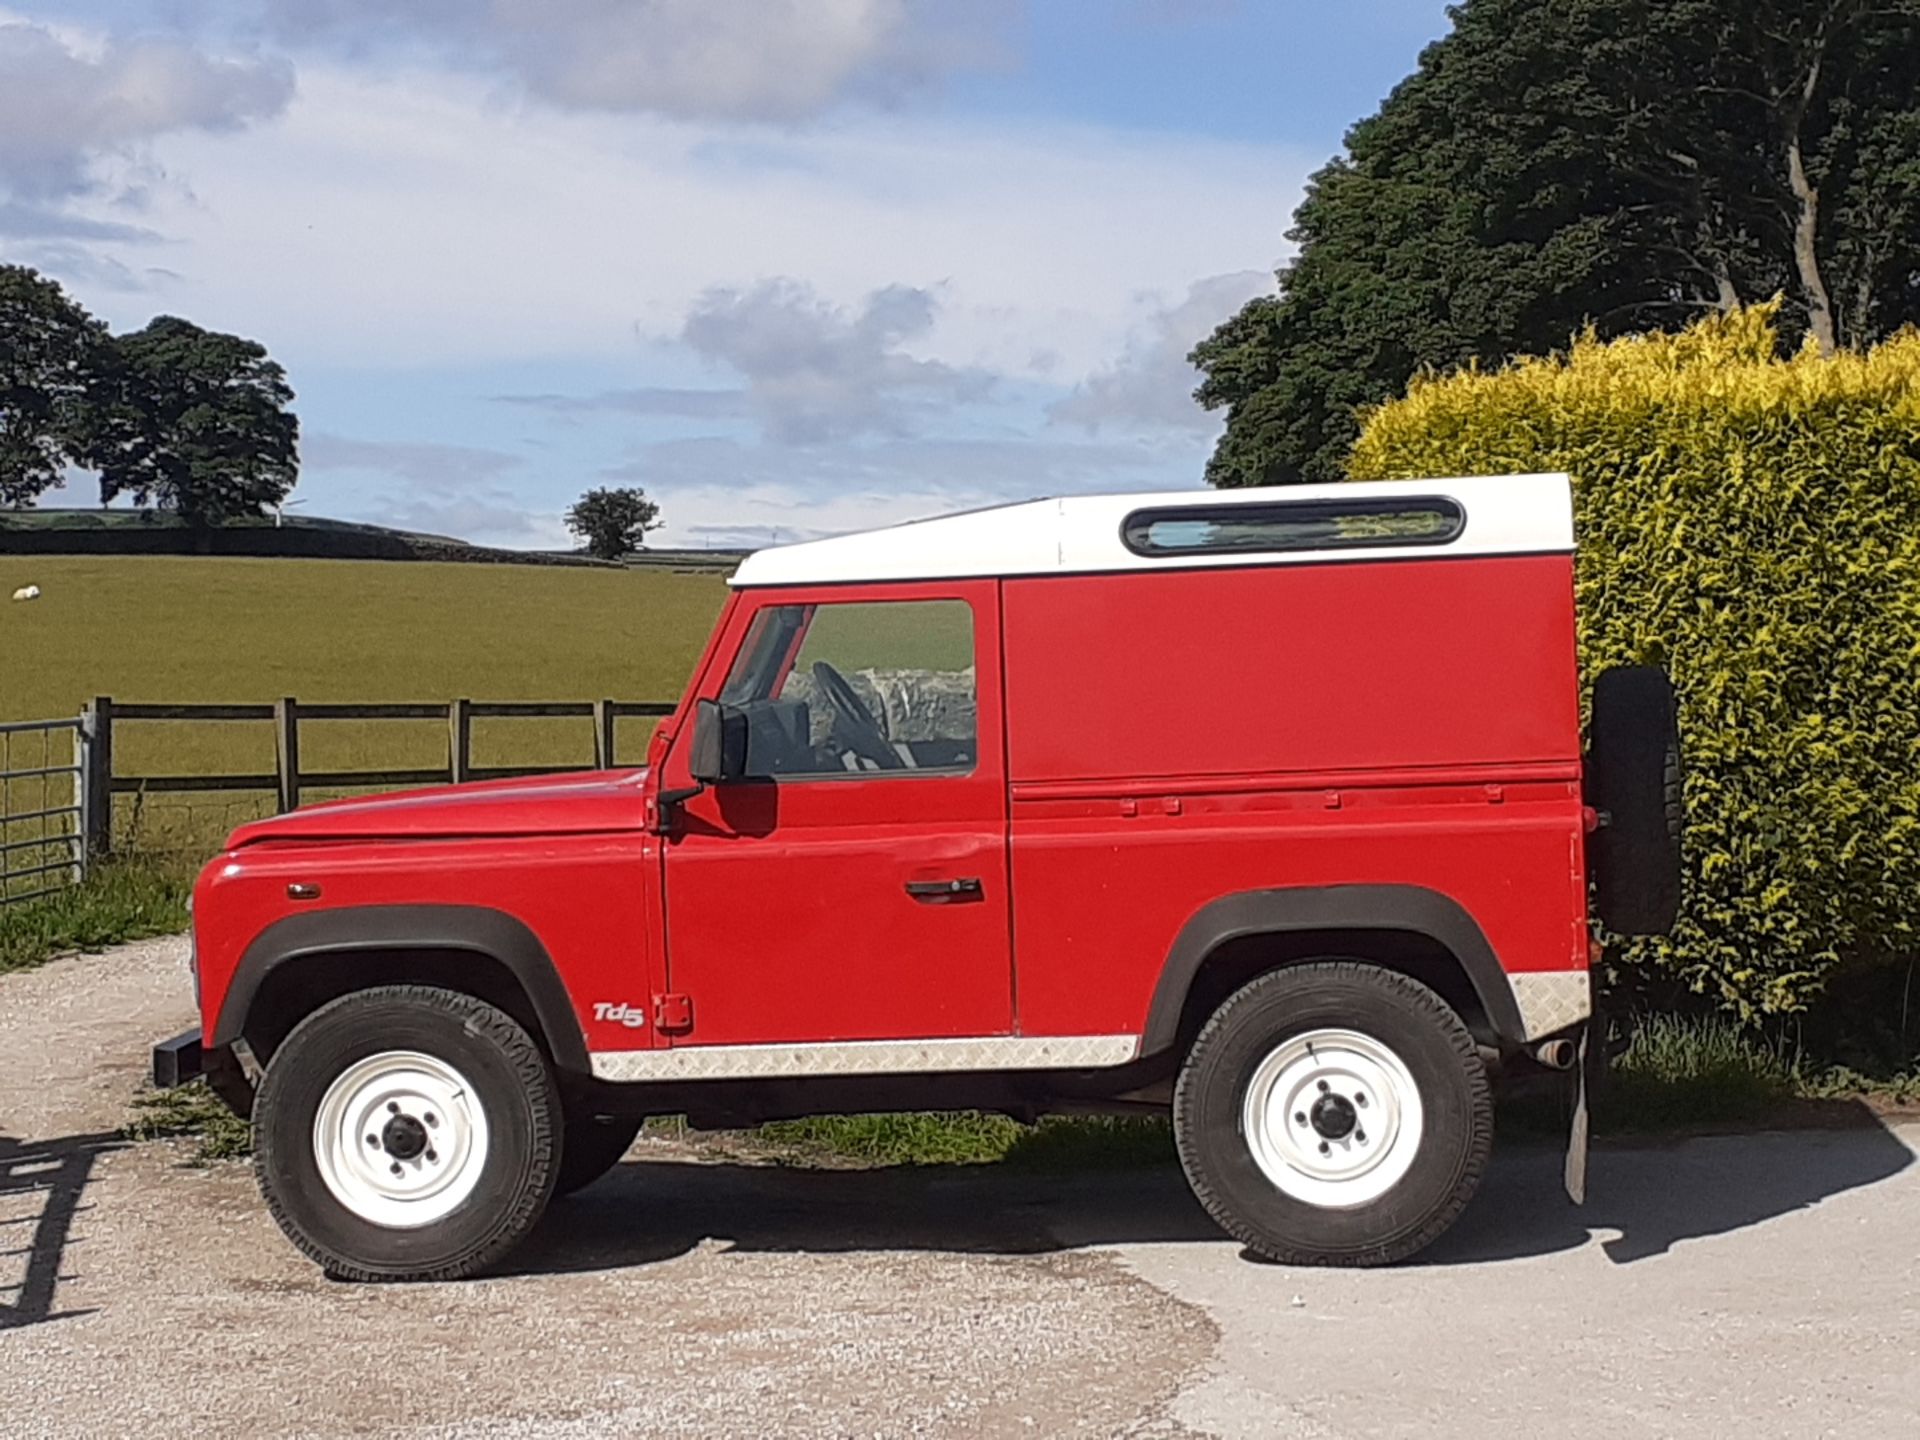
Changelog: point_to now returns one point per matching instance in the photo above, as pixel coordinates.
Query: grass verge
(119, 901)
(190, 1112)
(968, 1138)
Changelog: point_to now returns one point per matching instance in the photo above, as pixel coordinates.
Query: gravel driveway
(1751, 1286)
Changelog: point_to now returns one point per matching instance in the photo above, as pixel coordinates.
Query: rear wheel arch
(300, 963)
(1408, 929)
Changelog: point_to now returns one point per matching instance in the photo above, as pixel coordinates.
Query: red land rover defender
(1266, 808)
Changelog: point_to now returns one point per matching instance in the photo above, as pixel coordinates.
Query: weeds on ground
(120, 900)
(969, 1138)
(959, 1138)
(1682, 1071)
(190, 1112)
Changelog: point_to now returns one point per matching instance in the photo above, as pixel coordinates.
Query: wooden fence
(286, 781)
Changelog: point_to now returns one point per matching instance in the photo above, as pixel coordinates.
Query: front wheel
(407, 1133)
(1334, 1114)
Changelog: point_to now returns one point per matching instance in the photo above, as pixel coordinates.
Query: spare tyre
(1634, 781)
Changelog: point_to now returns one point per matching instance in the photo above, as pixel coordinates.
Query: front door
(856, 887)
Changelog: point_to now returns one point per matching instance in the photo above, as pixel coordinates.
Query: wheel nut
(373, 1139)
(1358, 1098)
(430, 1118)
(1299, 1117)
(433, 1157)
(396, 1167)
(1359, 1135)
(393, 1107)
(1325, 1149)
(1324, 1087)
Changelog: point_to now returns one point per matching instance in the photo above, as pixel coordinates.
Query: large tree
(195, 422)
(1551, 164)
(49, 351)
(613, 522)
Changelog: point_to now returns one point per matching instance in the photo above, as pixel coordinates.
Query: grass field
(180, 629)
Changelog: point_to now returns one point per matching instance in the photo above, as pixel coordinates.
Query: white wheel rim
(1333, 1118)
(400, 1139)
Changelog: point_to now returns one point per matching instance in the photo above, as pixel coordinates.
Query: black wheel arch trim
(1291, 909)
(472, 928)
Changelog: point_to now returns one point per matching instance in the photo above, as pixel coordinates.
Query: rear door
(857, 889)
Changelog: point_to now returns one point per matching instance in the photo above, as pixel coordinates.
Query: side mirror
(719, 745)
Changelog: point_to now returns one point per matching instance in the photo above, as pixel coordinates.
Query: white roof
(1504, 515)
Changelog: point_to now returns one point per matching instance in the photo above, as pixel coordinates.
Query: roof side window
(1364, 522)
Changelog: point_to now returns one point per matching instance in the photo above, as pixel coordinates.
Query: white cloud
(412, 219)
(723, 492)
(816, 372)
(421, 462)
(65, 100)
(1151, 383)
(768, 60)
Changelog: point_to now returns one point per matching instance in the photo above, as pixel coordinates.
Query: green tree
(613, 522)
(1551, 164)
(193, 421)
(49, 349)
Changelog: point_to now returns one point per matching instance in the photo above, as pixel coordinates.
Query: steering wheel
(852, 721)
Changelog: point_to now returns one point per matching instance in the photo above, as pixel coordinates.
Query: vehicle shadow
(1658, 1194)
(1654, 1197)
(42, 1185)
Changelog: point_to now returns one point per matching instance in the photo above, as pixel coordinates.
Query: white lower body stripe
(866, 1057)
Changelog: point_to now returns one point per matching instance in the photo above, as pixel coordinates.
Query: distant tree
(613, 522)
(194, 422)
(1632, 164)
(49, 352)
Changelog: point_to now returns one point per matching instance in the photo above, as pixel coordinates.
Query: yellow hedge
(1753, 524)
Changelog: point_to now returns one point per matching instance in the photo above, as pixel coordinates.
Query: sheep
(27, 592)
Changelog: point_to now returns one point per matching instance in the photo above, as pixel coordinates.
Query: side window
(858, 688)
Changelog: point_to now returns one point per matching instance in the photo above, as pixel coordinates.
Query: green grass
(190, 1112)
(1682, 1071)
(118, 902)
(969, 1137)
(184, 629)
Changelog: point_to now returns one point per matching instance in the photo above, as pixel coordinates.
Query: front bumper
(178, 1060)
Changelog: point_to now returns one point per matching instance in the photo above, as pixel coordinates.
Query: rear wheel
(1334, 1114)
(407, 1133)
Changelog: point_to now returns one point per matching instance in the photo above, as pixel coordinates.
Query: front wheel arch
(302, 962)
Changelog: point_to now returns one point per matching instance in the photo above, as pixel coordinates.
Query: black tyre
(407, 1133)
(1635, 782)
(1333, 1114)
(592, 1146)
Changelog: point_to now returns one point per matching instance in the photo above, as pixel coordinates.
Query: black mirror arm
(668, 802)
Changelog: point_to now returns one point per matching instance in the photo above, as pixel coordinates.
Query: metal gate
(42, 800)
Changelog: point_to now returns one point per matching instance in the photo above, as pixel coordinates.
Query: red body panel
(787, 913)
(583, 895)
(1256, 672)
(1414, 723)
(606, 800)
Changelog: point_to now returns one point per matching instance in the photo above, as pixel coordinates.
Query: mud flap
(1576, 1172)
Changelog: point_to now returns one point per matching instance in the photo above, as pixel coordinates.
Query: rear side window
(1362, 522)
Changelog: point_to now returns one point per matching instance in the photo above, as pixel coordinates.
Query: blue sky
(795, 266)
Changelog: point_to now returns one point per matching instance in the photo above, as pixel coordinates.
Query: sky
(795, 267)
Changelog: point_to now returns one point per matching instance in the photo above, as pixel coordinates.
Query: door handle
(939, 892)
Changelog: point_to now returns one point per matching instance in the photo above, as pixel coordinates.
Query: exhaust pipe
(1556, 1054)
